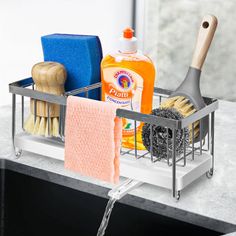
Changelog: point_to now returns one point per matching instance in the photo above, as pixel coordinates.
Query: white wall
(23, 22)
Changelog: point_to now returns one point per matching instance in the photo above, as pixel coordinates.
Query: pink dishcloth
(93, 138)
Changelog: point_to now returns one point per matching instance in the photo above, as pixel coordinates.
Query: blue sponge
(80, 54)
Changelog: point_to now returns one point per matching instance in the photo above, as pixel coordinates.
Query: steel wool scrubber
(160, 134)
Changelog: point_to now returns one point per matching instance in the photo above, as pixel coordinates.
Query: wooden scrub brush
(49, 77)
(187, 98)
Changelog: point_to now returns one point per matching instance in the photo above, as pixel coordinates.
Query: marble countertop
(208, 203)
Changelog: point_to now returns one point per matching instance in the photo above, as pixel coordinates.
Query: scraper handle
(205, 36)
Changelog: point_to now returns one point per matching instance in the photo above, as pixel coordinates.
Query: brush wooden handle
(205, 36)
(49, 77)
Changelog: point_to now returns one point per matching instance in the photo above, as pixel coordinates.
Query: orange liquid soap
(128, 80)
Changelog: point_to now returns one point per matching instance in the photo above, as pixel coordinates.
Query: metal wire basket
(173, 161)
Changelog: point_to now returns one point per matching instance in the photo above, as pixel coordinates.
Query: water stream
(106, 217)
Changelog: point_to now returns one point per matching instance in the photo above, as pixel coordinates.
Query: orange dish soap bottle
(128, 80)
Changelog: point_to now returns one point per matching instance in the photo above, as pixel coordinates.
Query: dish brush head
(40, 126)
(184, 106)
(181, 104)
(160, 136)
(49, 77)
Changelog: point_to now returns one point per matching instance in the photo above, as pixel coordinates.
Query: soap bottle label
(124, 87)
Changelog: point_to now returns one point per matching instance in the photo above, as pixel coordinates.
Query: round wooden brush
(49, 77)
(187, 98)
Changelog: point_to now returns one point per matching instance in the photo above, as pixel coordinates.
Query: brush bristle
(29, 124)
(180, 103)
(185, 108)
(36, 125)
(40, 126)
(55, 127)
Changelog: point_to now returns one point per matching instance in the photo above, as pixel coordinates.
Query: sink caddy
(173, 173)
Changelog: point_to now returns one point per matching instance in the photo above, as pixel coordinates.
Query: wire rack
(194, 149)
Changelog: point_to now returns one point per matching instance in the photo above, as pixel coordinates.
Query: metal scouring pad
(159, 139)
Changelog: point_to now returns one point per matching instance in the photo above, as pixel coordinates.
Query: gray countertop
(208, 203)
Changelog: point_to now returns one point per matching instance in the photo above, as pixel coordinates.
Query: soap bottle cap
(128, 43)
